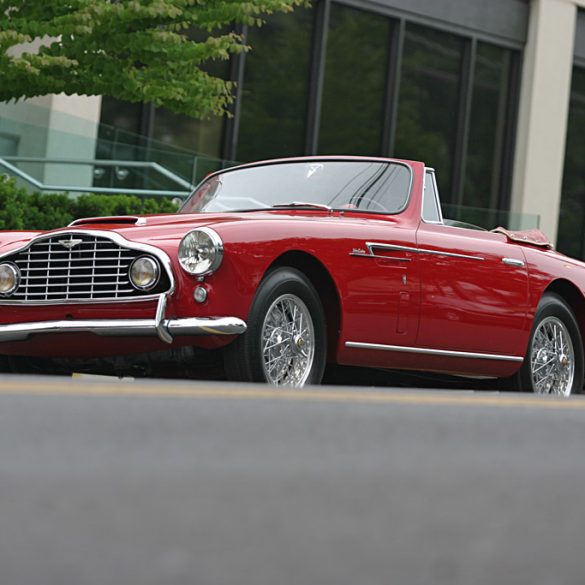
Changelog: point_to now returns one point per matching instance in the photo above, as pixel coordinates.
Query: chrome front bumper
(165, 329)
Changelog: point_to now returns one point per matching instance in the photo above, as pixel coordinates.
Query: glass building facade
(335, 78)
(571, 238)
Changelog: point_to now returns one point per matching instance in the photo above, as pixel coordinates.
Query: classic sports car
(287, 265)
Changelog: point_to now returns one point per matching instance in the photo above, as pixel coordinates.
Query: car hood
(167, 230)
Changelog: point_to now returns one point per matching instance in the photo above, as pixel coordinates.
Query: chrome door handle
(513, 262)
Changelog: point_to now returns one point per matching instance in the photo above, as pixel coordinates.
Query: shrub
(21, 210)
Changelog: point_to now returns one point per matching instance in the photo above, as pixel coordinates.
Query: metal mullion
(93, 266)
(119, 262)
(76, 284)
(317, 75)
(68, 274)
(50, 253)
(462, 135)
(232, 123)
(392, 87)
(27, 274)
(509, 142)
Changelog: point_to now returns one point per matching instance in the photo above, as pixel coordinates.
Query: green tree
(133, 50)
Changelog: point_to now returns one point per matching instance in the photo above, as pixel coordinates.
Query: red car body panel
(432, 287)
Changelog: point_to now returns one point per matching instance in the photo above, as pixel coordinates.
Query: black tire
(547, 365)
(245, 359)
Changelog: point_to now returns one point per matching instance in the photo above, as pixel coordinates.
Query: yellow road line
(158, 390)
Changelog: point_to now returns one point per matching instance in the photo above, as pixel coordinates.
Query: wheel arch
(325, 286)
(573, 297)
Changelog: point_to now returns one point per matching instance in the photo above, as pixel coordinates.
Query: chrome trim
(217, 243)
(116, 238)
(162, 331)
(371, 245)
(127, 327)
(70, 243)
(451, 254)
(513, 262)
(431, 172)
(108, 219)
(365, 255)
(437, 352)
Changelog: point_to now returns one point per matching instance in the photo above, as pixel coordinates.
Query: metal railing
(121, 167)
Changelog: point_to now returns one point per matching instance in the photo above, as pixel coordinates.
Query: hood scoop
(111, 220)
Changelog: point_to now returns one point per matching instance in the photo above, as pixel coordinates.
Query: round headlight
(201, 252)
(9, 278)
(144, 273)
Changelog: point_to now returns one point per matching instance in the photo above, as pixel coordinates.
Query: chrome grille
(94, 268)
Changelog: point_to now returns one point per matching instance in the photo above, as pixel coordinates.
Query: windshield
(373, 186)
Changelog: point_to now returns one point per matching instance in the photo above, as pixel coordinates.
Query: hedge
(21, 210)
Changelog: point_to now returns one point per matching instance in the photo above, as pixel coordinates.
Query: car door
(382, 294)
(474, 289)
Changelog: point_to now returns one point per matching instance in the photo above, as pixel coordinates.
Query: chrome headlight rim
(157, 271)
(17, 276)
(217, 246)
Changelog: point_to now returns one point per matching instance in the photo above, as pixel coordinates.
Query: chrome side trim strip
(116, 238)
(127, 327)
(438, 352)
(451, 254)
(513, 262)
(372, 245)
(378, 257)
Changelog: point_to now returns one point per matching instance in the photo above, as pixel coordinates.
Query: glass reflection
(355, 72)
(428, 101)
(572, 216)
(275, 89)
(376, 187)
(202, 136)
(487, 126)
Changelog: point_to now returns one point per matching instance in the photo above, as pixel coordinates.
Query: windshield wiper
(304, 204)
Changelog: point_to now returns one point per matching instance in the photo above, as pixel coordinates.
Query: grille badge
(70, 243)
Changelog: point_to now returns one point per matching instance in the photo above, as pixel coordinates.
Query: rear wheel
(554, 360)
(285, 343)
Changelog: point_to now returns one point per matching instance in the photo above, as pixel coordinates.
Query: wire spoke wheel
(552, 358)
(288, 342)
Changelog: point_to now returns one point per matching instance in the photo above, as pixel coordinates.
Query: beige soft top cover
(533, 237)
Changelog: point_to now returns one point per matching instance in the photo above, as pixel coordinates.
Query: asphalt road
(157, 483)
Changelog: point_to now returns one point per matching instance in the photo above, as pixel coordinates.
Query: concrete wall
(54, 126)
(543, 113)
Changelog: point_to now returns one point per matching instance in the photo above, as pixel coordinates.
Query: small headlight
(9, 278)
(201, 252)
(144, 273)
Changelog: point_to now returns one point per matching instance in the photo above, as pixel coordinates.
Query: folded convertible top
(533, 237)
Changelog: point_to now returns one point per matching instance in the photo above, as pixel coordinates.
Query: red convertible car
(285, 266)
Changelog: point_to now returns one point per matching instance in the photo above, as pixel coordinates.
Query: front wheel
(286, 342)
(554, 360)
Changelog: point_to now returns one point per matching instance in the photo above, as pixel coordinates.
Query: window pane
(355, 73)
(274, 94)
(202, 136)
(430, 211)
(487, 126)
(572, 217)
(428, 101)
(123, 115)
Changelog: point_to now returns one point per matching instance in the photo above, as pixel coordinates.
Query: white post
(544, 109)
